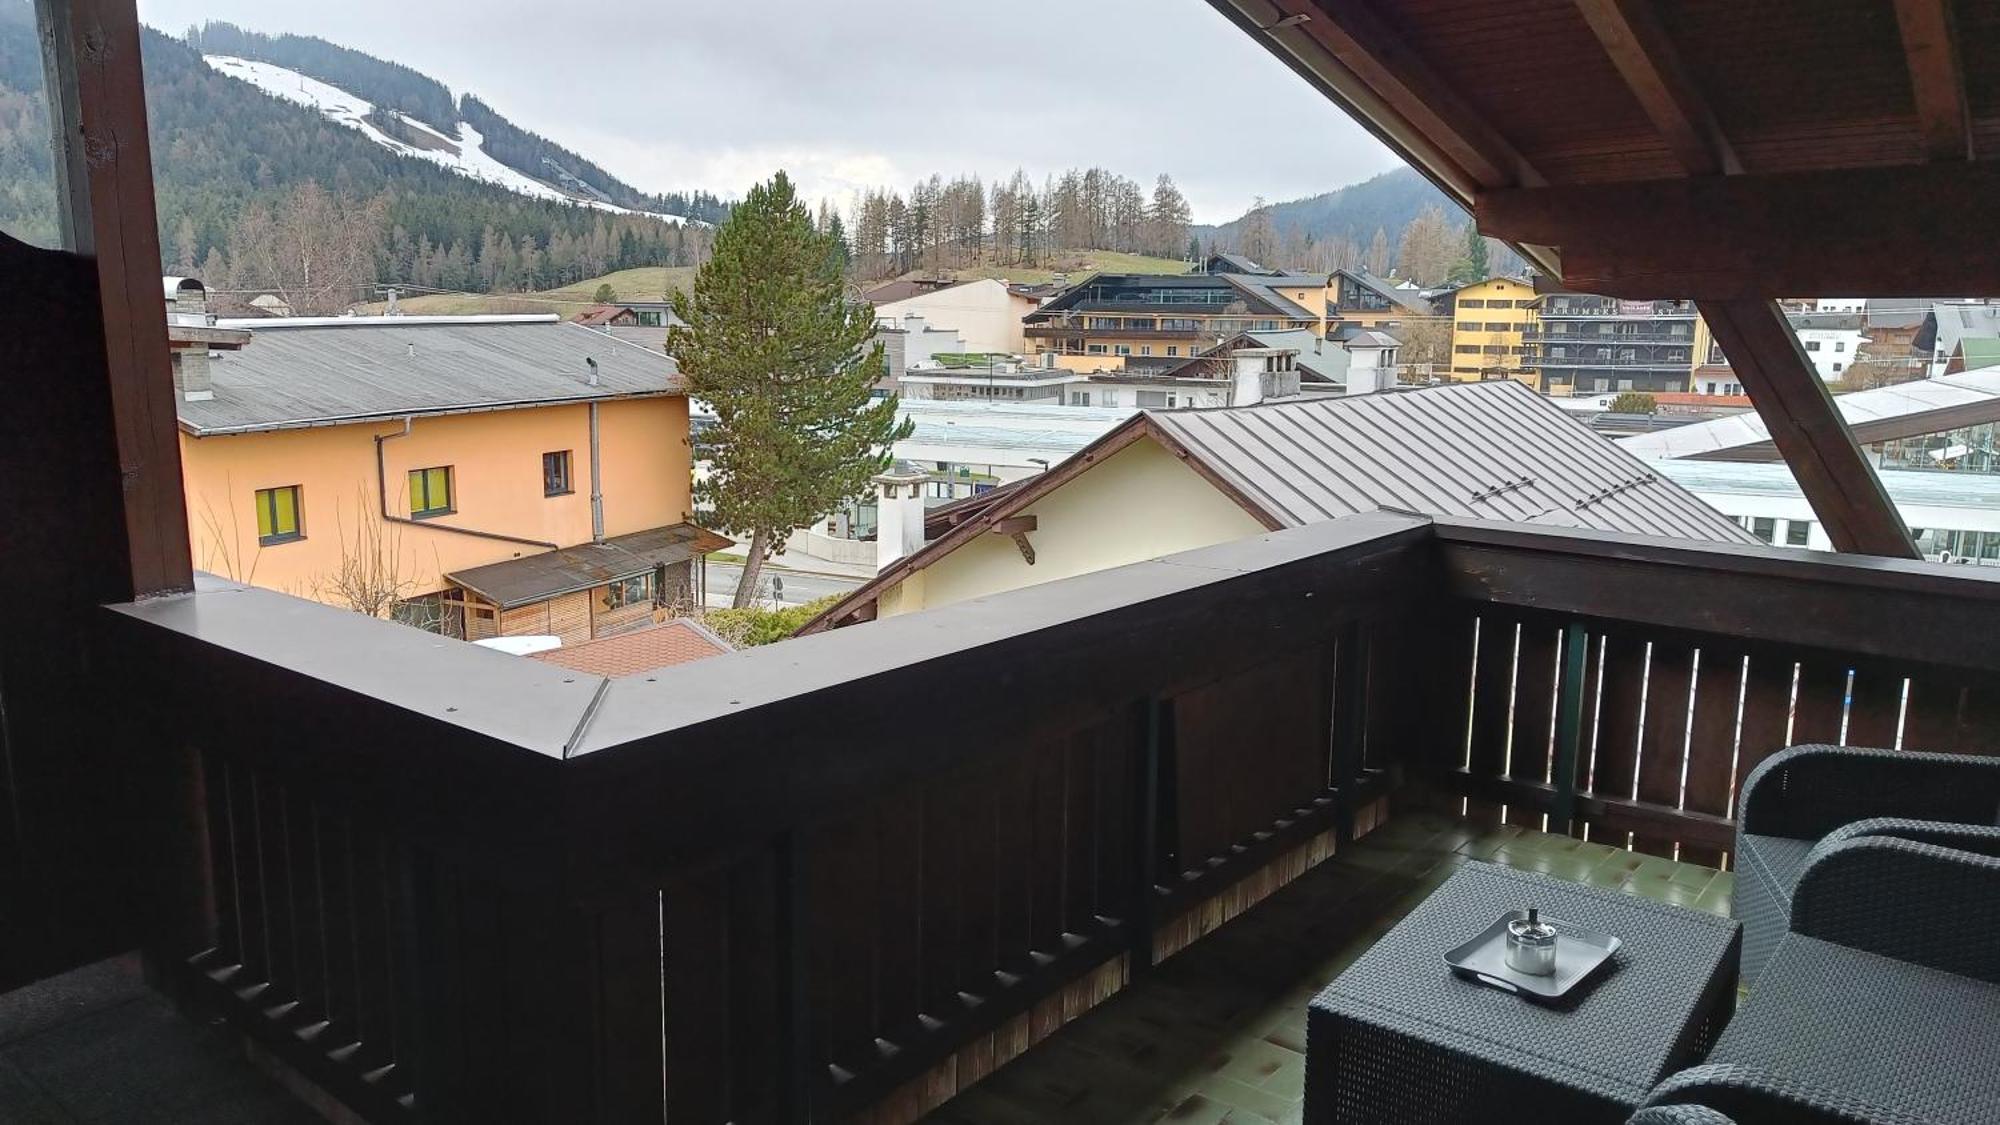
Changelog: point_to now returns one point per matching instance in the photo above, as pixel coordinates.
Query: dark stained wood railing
(838, 877)
(843, 877)
(1697, 664)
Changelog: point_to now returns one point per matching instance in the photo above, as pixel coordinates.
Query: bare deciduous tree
(315, 251)
(372, 575)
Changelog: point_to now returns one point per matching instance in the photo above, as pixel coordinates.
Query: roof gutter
(382, 495)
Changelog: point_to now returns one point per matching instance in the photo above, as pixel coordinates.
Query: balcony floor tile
(1218, 1033)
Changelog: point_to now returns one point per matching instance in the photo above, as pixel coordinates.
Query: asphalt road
(799, 587)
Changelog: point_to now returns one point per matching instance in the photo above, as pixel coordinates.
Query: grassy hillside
(647, 283)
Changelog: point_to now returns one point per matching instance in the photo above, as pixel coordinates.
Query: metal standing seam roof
(1738, 433)
(537, 578)
(1494, 450)
(328, 372)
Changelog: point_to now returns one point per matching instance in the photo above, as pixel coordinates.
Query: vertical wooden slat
(1616, 767)
(1875, 712)
(1045, 875)
(1712, 741)
(759, 1020)
(1080, 828)
(374, 940)
(1663, 742)
(698, 968)
(1767, 706)
(1117, 753)
(281, 911)
(218, 783)
(1014, 889)
(840, 860)
(979, 866)
(628, 1054)
(1534, 711)
(335, 875)
(1979, 719)
(898, 908)
(1934, 714)
(308, 911)
(1822, 700)
(1447, 694)
(1492, 697)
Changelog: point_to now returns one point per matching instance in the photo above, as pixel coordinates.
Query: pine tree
(773, 345)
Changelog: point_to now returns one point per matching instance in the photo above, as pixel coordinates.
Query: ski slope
(465, 154)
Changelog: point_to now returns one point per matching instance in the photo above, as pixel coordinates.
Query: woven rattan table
(1398, 1038)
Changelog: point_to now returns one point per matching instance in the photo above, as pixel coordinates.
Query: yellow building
(481, 476)
(1492, 324)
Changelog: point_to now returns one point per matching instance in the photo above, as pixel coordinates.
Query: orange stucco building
(425, 461)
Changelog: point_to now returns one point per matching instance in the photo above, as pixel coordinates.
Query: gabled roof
(679, 640)
(599, 315)
(1394, 293)
(1921, 406)
(902, 289)
(1254, 290)
(1233, 263)
(1494, 450)
(537, 578)
(334, 370)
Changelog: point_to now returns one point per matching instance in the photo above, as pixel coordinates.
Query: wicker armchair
(1882, 1000)
(1798, 797)
(1678, 1115)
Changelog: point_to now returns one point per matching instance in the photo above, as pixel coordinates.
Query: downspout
(596, 482)
(382, 495)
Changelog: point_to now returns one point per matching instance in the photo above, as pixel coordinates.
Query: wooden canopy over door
(1727, 151)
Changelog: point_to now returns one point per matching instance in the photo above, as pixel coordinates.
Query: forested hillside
(230, 165)
(1369, 224)
(387, 84)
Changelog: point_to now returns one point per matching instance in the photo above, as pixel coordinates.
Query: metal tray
(1580, 952)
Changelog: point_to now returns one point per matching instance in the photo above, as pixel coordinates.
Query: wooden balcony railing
(855, 872)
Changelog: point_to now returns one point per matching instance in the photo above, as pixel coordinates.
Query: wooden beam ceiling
(1359, 40)
(1930, 44)
(1837, 480)
(1913, 231)
(1638, 45)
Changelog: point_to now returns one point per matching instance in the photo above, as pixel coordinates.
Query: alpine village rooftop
(827, 880)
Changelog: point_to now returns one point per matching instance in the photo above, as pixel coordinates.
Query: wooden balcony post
(1569, 724)
(1158, 718)
(1349, 731)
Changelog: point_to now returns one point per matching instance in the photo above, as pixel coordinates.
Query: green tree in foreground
(605, 295)
(774, 347)
(1634, 402)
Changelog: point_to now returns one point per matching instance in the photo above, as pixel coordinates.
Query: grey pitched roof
(1492, 450)
(1405, 298)
(329, 371)
(1323, 362)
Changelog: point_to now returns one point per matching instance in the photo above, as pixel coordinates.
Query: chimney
(187, 306)
(899, 513)
(191, 376)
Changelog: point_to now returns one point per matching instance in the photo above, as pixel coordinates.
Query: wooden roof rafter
(1646, 58)
(1937, 78)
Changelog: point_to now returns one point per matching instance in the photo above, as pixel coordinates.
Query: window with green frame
(278, 515)
(430, 491)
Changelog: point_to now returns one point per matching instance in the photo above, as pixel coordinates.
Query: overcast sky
(717, 94)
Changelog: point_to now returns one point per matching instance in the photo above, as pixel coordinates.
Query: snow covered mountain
(464, 153)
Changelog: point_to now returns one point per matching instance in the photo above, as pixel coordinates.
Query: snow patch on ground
(465, 154)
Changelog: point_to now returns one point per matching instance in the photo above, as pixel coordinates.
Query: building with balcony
(1167, 316)
(1585, 344)
(1491, 321)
